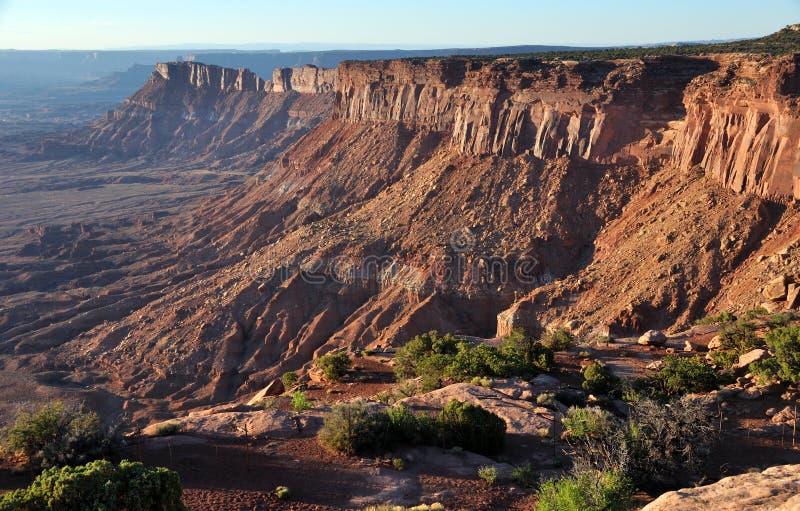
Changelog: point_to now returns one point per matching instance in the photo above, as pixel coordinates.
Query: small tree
(533, 353)
(334, 365)
(559, 339)
(56, 435)
(352, 428)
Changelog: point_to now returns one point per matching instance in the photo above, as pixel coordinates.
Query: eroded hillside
(464, 195)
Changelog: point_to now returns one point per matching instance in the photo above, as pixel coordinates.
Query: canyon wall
(743, 126)
(599, 111)
(202, 75)
(306, 79)
(200, 112)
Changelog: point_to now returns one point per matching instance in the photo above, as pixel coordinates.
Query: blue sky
(103, 24)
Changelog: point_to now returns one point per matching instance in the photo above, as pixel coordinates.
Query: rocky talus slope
(465, 195)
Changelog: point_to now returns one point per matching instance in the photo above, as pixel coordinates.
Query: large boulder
(653, 338)
(248, 423)
(776, 289)
(775, 489)
(752, 356)
(715, 343)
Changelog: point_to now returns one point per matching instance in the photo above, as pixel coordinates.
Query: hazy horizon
(359, 24)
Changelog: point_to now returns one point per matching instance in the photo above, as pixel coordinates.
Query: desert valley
(527, 278)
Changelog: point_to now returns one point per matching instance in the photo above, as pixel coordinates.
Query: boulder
(776, 289)
(260, 423)
(715, 343)
(275, 388)
(793, 296)
(655, 365)
(775, 489)
(750, 393)
(752, 356)
(518, 415)
(653, 338)
(784, 416)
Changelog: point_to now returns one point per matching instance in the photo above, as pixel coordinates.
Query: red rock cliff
(306, 79)
(202, 75)
(743, 125)
(599, 111)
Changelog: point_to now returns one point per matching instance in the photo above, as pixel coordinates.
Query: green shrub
(587, 422)
(471, 427)
(605, 339)
(586, 491)
(169, 428)
(300, 402)
(488, 473)
(724, 359)
(407, 358)
(99, 485)
(436, 358)
(524, 475)
(765, 371)
(352, 428)
(721, 318)
(479, 381)
(598, 379)
(740, 336)
(779, 319)
(533, 353)
(334, 365)
(398, 464)
(785, 343)
(289, 379)
(680, 375)
(755, 313)
(411, 428)
(283, 493)
(547, 399)
(56, 435)
(559, 339)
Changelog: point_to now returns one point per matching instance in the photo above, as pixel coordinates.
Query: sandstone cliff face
(206, 113)
(306, 79)
(202, 75)
(743, 126)
(599, 111)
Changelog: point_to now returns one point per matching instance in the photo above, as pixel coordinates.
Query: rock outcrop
(774, 489)
(743, 126)
(598, 111)
(214, 77)
(198, 112)
(306, 80)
